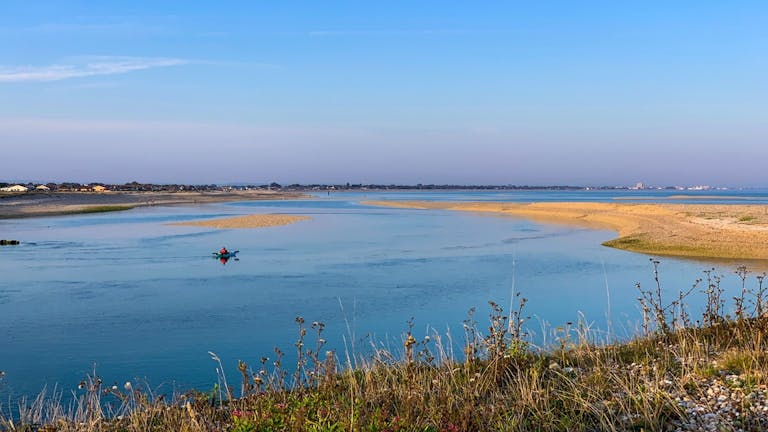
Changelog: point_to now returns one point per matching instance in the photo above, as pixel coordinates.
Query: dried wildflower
(410, 341)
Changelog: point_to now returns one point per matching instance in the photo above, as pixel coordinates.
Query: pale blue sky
(556, 92)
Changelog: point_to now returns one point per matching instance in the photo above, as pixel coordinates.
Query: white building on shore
(14, 188)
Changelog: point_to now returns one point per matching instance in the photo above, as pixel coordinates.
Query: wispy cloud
(84, 67)
(411, 32)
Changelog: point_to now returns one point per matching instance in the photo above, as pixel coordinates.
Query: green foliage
(241, 424)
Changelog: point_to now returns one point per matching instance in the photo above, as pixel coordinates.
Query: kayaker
(223, 250)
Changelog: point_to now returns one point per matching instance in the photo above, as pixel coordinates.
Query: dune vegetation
(683, 372)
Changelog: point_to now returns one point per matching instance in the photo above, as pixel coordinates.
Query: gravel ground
(726, 403)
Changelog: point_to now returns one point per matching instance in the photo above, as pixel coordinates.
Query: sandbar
(248, 221)
(690, 197)
(721, 231)
(65, 203)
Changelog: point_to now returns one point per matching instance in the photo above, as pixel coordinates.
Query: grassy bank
(707, 371)
(71, 211)
(100, 209)
(643, 243)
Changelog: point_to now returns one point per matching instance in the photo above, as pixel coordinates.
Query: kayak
(226, 255)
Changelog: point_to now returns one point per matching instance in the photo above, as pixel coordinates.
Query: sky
(401, 92)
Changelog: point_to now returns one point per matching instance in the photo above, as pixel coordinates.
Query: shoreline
(717, 231)
(68, 203)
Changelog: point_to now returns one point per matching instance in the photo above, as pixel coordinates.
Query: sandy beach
(248, 221)
(687, 230)
(62, 203)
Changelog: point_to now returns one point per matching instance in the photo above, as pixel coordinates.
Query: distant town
(31, 187)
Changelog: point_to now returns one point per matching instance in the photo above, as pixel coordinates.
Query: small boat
(227, 255)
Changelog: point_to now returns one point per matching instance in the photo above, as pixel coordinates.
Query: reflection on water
(144, 299)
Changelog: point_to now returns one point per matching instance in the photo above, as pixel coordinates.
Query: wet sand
(248, 221)
(62, 203)
(686, 230)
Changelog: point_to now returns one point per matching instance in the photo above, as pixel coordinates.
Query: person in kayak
(223, 250)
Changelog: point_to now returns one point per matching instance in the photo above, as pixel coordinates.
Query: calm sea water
(144, 300)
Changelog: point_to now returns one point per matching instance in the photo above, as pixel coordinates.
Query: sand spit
(248, 221)
(62, 203)
(688, 230)
(689, 197)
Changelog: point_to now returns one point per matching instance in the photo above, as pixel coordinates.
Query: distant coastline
(66, 203)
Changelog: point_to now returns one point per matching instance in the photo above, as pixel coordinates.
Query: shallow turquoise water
(144, 300)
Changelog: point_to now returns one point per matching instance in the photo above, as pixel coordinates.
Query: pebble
(722, 404)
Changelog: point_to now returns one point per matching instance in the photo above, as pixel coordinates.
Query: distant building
(43, 188)
(14, 188)
(99, 188)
